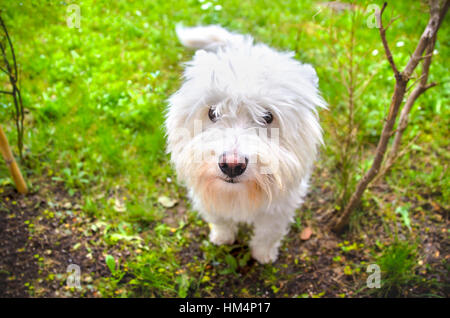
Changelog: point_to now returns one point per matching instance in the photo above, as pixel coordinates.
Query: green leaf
(244, 260)
(111, 263)
(183, 285)
(416, 147)
(231, 261)
(403, 211)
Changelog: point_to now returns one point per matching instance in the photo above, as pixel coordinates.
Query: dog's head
(243, 128)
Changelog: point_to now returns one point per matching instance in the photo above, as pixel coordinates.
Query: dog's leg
(269, 231)
(222, 231)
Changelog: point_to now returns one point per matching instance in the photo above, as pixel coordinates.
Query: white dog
(243, 134)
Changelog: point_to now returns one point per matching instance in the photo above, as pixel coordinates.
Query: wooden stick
(12, 164)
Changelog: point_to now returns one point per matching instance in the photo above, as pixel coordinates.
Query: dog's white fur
(242, 81)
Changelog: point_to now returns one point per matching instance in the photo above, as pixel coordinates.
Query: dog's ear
(310, 74)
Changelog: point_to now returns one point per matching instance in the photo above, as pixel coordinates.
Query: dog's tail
(208, 38)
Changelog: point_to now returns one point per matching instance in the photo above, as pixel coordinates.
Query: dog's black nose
(232, 165)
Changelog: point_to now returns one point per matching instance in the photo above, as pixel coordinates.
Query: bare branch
(427, 42)
(11, 47)
(387, 50)
(403, 123)
(436, 17)
(12, 72)
(4, 71)
(430, 85)
(415, 94)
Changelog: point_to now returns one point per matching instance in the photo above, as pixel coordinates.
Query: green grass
(398, 263)
(96, 98)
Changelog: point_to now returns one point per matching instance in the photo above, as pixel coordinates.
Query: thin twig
(389, 164)
(387, 50)
(4, 71)
(10, 46)
(391, 22)
(415, 82)
(12, 72)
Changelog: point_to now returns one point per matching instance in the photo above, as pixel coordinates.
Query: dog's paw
(221, 236)
(264, 255)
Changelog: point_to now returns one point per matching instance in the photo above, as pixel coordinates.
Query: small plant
(398, 263)
(112, 286)
(155, 277)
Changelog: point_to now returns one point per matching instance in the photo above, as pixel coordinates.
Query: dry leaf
(167, 202)
(119, 206)
(306, 233)
(435, 206)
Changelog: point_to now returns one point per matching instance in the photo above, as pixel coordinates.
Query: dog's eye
(268, 118)
(212, 115)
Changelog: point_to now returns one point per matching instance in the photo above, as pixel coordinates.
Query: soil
(37, 246)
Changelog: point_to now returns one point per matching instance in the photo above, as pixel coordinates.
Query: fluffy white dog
(243, 134)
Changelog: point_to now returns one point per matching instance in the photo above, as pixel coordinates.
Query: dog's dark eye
(212, 115)
(268, 118)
